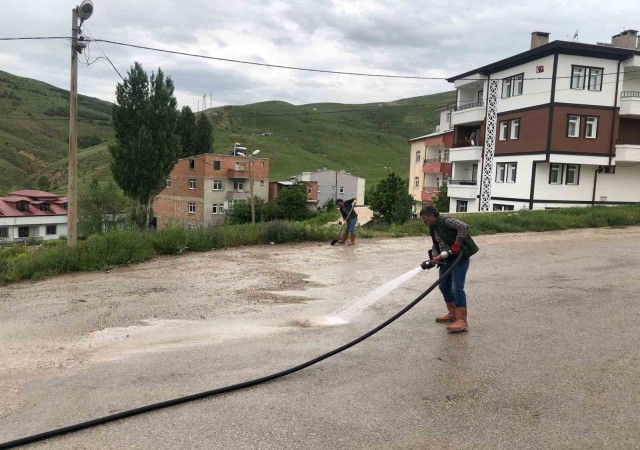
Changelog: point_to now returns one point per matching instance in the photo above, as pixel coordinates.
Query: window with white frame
(512, 86)
(218, 208)
(500, 207)
(341, 189)
(418, 155)
(586, 77)
(167, 183)
(555, 174)
(416, 182)
(238, 185)
(461, 205)
(591, 127)
(51, 229)
(572, 174)
(239, 166)
(506, 172)
(504, 130)
(192, 208)
(573, 126)
(192, 183)
(218, 185)
(514, 128)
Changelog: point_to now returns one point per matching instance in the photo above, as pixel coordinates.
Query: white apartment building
(555, 126)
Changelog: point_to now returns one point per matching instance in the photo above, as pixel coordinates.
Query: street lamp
(253, 207)
(78, 15)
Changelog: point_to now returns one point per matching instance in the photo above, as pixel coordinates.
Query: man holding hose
(451, 237)
(350, 217)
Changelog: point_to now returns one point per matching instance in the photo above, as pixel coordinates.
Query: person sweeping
(452, 236)
(350, 217)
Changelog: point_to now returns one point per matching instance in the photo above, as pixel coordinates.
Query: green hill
(361, 139)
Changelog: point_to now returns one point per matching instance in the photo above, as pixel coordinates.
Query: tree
(100, 207)
(146, 146)
(43, 183)
(442, 199)
(186, 129)
(292, 202)
(204, 135)
(390, 198)
(241, 212)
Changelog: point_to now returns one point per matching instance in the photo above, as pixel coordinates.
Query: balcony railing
(630, 94)
(463, 182)
(241, 173)
(469, 105)
(436, 160)
(431, 189)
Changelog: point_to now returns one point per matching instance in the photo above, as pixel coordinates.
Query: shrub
(171, 241)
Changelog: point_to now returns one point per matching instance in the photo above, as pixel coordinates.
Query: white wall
(564, 93)
(580, 192)
(623, 186)
(522, 187)
(534, 92)
(37, 226)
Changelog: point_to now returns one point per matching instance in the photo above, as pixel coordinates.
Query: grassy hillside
(361, 139)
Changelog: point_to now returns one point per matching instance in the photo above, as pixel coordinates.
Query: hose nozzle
(426, 265)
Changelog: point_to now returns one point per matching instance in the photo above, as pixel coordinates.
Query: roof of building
(437, 133)
(9, 205)
(561, 47)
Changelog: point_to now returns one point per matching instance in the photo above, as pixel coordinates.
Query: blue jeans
(351, 225)
(452, 286)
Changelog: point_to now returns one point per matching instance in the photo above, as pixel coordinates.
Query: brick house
(555, 126)
(201, 189)
(30, 214)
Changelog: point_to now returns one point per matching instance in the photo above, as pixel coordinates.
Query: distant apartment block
(429, 165)
(32, 214)
(555, 126)
(332, 184)
(201, 189)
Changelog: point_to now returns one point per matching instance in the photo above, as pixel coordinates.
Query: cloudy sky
(434, 38)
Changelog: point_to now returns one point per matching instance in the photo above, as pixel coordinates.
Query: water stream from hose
(348, 312)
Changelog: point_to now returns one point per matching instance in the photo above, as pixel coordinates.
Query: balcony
(468, 114)
(468, 153)
(429, 193)
(238, 174)
(627, 150)
(463, 189)
(630, 104)
(437, 165)
(238, 195)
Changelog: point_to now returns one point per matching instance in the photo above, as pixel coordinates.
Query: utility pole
(78, 15)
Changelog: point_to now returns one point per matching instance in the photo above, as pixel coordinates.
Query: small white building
(32, 214)
(333, 184)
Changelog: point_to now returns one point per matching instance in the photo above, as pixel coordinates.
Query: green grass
(121, 247)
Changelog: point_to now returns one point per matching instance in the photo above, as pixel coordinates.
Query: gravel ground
(552, 358)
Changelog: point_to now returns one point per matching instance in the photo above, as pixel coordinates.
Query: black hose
(222, 390)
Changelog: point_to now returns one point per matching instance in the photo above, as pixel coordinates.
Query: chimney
(539, 38)
(626, 39)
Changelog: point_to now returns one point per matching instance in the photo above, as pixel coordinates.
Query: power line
(103, 52)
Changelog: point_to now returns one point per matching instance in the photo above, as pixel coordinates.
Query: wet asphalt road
(552, 360)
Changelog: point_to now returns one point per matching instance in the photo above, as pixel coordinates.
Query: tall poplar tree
(204, 135)
(146, 146)
(186, 129)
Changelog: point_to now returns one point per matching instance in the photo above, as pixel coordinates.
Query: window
(216, 165)
(238, 185)
(515, 129)
(461, 206)
(167, 183)
(23, 232)
(506, 172)
(589, 77)
(239, 166)
(499, 207)
(192, 183)
(261, 182)
(555, 174)
(512, 86)
(418, 155)
(572, 174)
(416, 182)
(4, 233)
(573, 126)
(504, 130)
(309, 190)
(43, 207)
(218, 209)
(52, 229)
(192, 163)
(341, 190)
(591, 127)
(192, 208)
(217, 185)
(22, 206)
